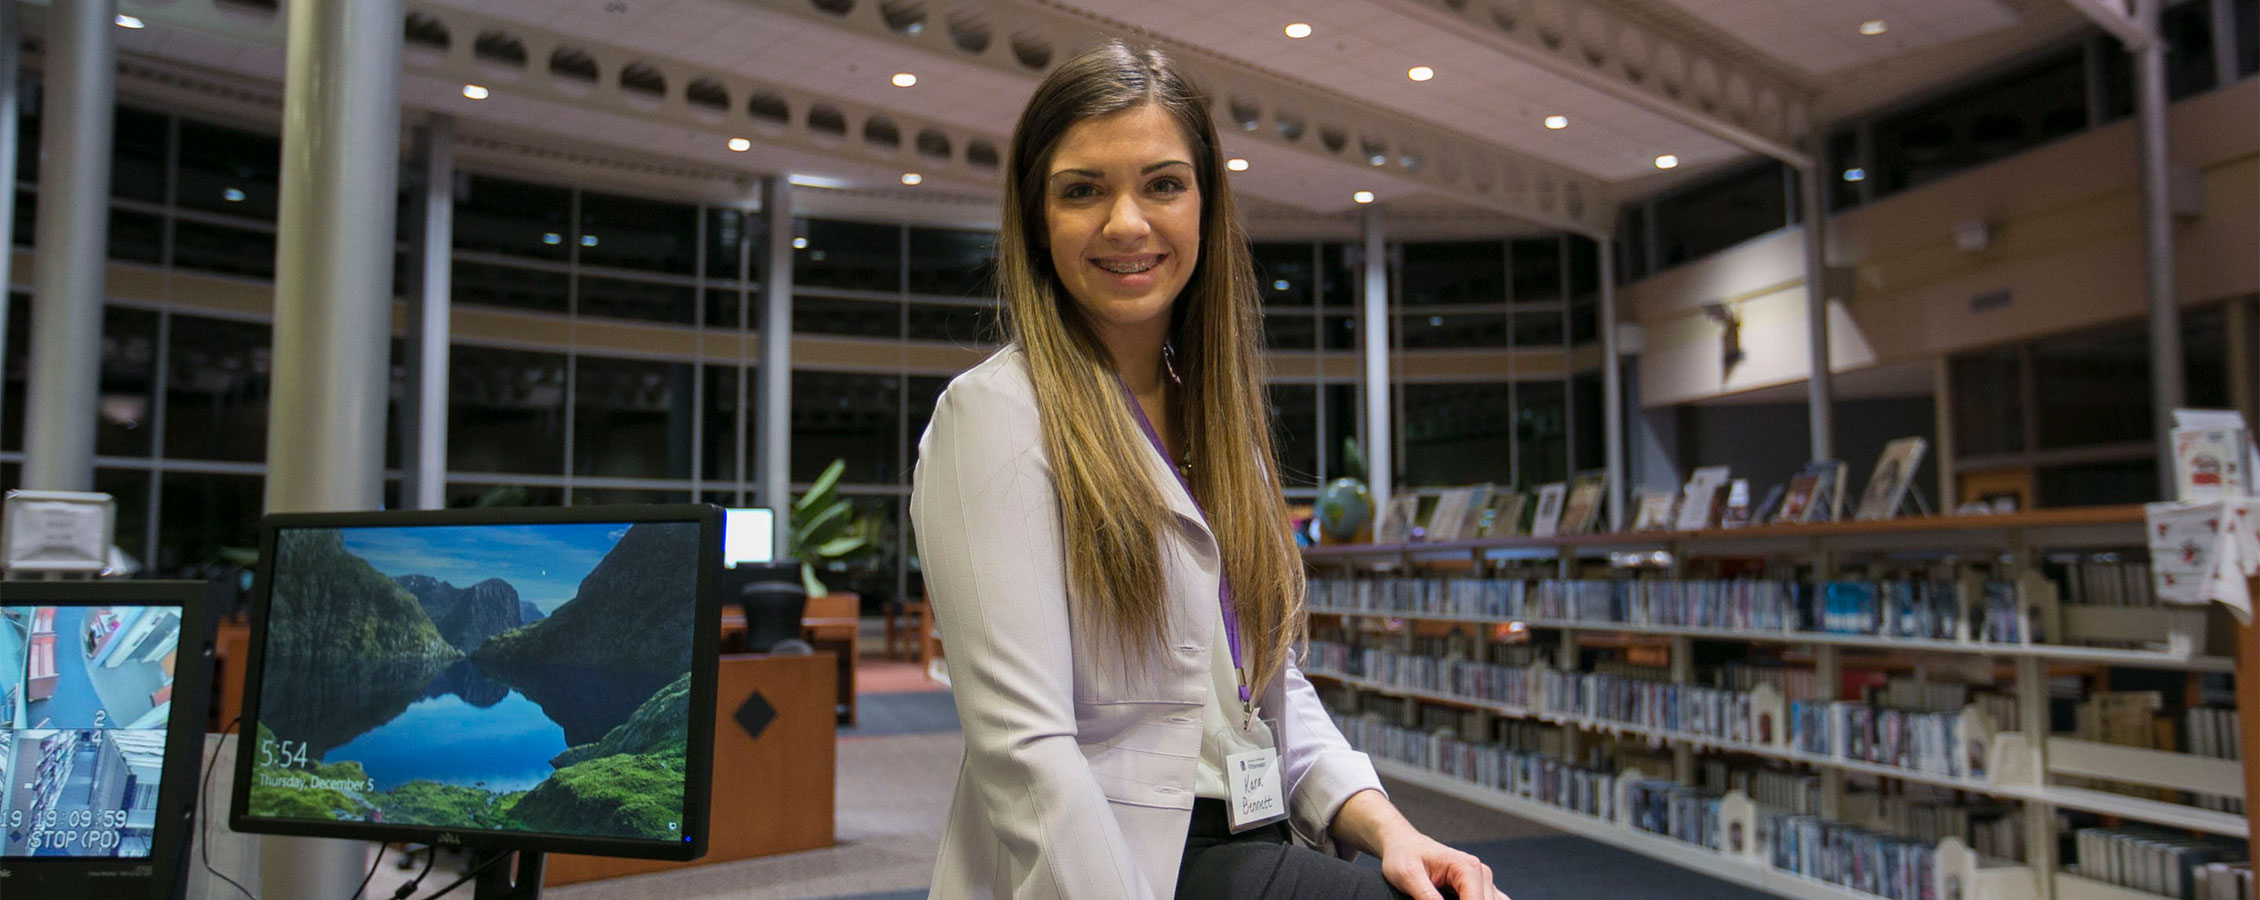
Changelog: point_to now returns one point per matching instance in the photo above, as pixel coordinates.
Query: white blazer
(1079, 765)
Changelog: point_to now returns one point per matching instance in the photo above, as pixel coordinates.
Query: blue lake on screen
(515, 742)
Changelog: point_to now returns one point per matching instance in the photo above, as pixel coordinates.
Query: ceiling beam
(1599, 46)
(2119, 17)
(1027, 37)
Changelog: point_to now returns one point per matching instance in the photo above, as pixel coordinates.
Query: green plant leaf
(840, 546)
(819, 529)
(809, 583)
(1353, 459)
(820, 493)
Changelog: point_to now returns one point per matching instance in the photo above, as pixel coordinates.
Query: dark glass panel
(1455, 433)
(961, 324)
(588, 496)
(1584, 268)
(1341, 332)
(26, 219)
(1538, 329)
(17, 368)
(498, 215)
(226, 170)
(648, 301)
(129, 488)
(1297, 330)
(634, 233)
(506, 411)
(540, 290)
(723, 307)
(1537, 270)
(852, 318)
(200, 514)
(1983, 121)
(855, 255)
(1418, 331)
(1584, 323)
(1294, 433)
(137, 237)
(952, 263)
(221, 248)
(845, 415)
(460, 495)
(1720, 213)
(720, 412)
(1283, 273)
(1989, 406)
(126, 413)
(2188, 30)
(726, 240)
(923, 391)
(137, 155)
(2205, 357)
(1592, 447)
(1541, 433)
(1337, 279)
(2094, 388)
(1454, 272)
(217, 389)
(1344, 407)
(631, 418)
(2097, 484)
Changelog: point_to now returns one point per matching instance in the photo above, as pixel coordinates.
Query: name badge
(1256, 795)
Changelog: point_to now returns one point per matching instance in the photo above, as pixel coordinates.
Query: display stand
(496, 879)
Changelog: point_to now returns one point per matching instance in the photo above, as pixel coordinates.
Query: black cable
(431, 852)
(474, 873)
(374, 861)
(203, 799)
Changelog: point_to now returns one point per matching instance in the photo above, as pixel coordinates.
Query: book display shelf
(1952, 708)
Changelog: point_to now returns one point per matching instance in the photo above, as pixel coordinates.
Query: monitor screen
(748, 535)
(101, 721)
(523, 679)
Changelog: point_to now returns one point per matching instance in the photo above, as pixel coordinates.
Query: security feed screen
(85, 692)
(520, 678)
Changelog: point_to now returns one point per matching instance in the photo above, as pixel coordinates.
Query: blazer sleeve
(989, 542)
(1322, 770)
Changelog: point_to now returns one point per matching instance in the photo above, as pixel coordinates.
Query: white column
(2157, 238)
(773, 408)
(11, 36)
(423, 414)
(1380, 443)
(333, 311)
(1612, 387)
(71, 245)
(1819, 384)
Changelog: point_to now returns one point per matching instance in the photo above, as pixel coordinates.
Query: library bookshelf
(1567, 593)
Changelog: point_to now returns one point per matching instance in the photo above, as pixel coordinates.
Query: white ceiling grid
(1824, 37)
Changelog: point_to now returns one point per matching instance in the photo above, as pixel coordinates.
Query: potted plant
(825, 529)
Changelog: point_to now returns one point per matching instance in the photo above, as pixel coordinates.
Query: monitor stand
(499, 883)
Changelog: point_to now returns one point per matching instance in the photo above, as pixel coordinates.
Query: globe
(1343, 508)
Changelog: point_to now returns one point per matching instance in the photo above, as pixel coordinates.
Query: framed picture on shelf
(1799, 500)
(1584, 504)
(1737, 513)
(1396, 522)
(1502, 517)
(1887, 485)
(1699, 506)
(1828, 499)
(1547, 519)
(1450, 513)
(1765, 511)
(1655, 510)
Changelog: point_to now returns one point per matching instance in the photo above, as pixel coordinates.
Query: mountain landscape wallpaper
(529, 678)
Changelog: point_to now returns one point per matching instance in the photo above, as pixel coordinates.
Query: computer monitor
(748, 535)
(102, 705)
(504, 679)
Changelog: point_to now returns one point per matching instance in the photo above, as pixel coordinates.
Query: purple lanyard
(1224, 588)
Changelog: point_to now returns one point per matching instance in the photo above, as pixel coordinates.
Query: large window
(216, 389)
(506, 411)
(631, 418)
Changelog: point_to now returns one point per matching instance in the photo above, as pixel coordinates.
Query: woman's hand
(1413, 862)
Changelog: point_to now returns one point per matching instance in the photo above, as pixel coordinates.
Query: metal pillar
(773, 408)
(2157, 237)
(1612, 388)
(11, 38)
(423, 407)
(71, 243)
(333, 310)
(1380, 443)
(1818, 383)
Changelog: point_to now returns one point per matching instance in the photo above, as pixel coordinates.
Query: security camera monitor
(538, 680)
(101, 729)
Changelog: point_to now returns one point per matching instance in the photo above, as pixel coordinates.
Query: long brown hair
(1113, 514)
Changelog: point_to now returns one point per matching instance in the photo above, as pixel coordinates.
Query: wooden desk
(772, 794)
(827, 623)
(231, 646)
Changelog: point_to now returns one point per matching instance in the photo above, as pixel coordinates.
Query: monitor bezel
(177, 795)
(705, 637)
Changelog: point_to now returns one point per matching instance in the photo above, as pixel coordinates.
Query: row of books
(2166, 863)
(1849, 729)
(2107, 580)
(1910, 608)
(1544, 779)
(1509, 685)
(1674, 810)
(1992, 829)
(1684, 708)
(2214, 733)
(1888, 866)
(1791, 684)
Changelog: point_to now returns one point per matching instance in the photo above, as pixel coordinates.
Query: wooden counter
(772, 794)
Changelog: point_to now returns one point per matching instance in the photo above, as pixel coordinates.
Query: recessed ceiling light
(232, 195)
(912, 178)
(1362, 197)
(1872, 27)
(1280, 285)
(475, 91)
(1667, 161)
(1420, 73)
(1557, 123)
(551, 237)
(1298, 30)
(904, 79)
(126, 21)
(1236, 164)
(1855, 174)
(588, 240)
(800, 243)
(740, 145)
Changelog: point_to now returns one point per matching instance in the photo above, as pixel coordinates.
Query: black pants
(1265, 863)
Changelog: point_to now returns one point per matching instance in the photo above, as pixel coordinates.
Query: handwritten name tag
(1256, 794)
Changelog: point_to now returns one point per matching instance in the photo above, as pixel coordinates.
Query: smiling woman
(1106, 545)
